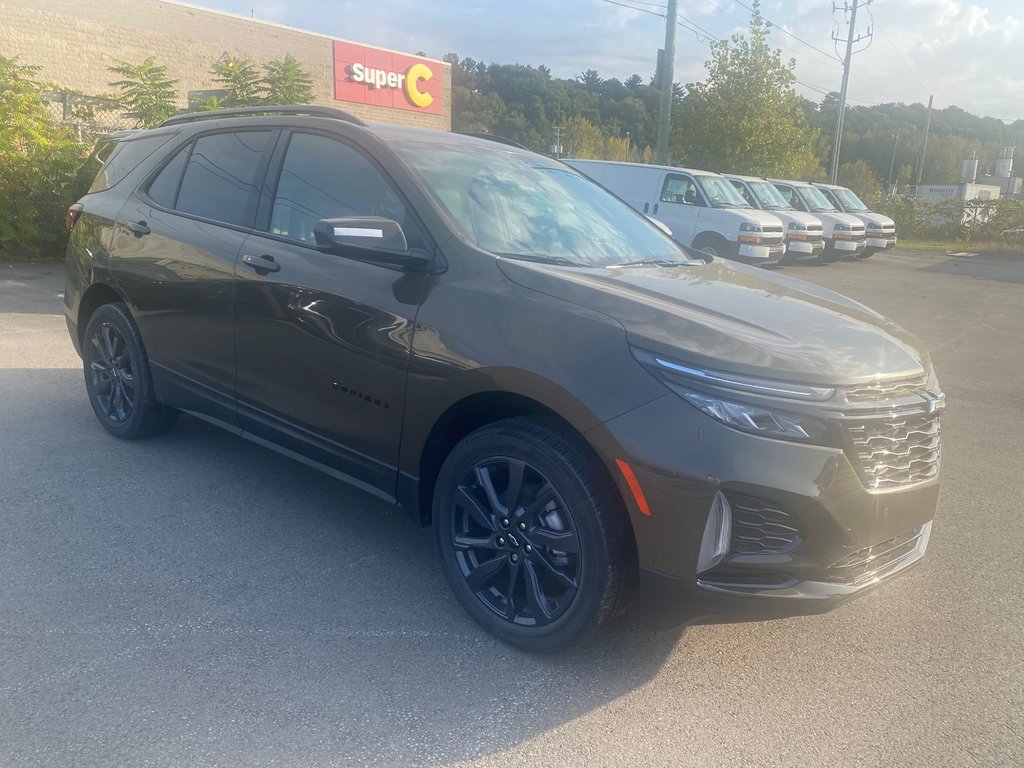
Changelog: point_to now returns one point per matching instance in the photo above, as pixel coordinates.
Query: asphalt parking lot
(196, 600)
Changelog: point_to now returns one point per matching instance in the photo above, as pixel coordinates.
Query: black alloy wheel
(113, 380)
(117, 376)
(515, 541)
(533, 535)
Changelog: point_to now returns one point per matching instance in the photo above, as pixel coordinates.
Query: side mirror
(368, 238)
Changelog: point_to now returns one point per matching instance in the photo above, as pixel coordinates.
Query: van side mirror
(368, 238)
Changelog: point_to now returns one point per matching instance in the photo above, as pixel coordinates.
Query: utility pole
(924, 146)
(850, 40)
(556, 149)
(892, 166)
(665, 77)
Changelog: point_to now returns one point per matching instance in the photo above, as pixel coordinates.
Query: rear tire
(117, 376)
(551, 568)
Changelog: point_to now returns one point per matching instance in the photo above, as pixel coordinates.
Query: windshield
(768, 197)
(849, 199)
(814, 199)
(526, 206)
(720, 192)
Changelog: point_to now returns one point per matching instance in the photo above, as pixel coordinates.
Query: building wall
(74, 41)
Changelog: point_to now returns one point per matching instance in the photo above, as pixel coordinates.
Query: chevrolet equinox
(585, 412)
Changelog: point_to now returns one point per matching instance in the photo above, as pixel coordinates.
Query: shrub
(39, 162)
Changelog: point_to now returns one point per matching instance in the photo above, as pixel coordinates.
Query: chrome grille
(896, 451)
(888, 390)
(759, 527)
(865, 563)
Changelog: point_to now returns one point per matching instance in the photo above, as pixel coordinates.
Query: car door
(173, 253)
(679, 206)
(322, 341)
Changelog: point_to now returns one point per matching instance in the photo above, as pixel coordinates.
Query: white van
(805, 236)
(881, 230)
(702, 209)
(844, 234)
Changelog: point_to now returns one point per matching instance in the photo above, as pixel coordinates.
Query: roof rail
(297, 109)
(492, 137)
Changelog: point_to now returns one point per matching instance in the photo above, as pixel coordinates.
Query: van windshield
(849, 199)
(768, 196)
(720, 192)
(814, 199)
(526, 206)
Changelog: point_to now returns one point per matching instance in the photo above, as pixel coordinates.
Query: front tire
(117, 376)
(532, 535)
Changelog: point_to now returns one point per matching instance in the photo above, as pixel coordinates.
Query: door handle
(139, 228)
(264, 263)
(647, 207)
(656, 207)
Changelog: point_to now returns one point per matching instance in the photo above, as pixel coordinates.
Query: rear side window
(164, 188)
(122, 158)
(219, 180)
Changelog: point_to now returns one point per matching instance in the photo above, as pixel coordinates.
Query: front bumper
(837, 539)
(761, 253)
(881, 243)
(845, 248)
(810, 248)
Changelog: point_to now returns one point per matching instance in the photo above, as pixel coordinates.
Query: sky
(968, 54)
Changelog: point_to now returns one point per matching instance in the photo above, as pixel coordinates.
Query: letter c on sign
(413, 75)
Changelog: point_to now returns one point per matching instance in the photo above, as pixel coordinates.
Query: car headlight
(747, 227)
(720, 396)
(843, 228)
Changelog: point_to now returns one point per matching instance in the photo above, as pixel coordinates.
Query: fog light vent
(759, 527)
(714, 545)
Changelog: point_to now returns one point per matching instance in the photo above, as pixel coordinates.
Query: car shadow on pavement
(196, 599)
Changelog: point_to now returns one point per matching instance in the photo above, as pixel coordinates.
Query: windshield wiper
(541, 259)
(655, 263)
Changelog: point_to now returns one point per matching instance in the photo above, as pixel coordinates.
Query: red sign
(371, 76)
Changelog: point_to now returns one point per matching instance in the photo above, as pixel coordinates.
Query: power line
(787, 32)
(634, 8)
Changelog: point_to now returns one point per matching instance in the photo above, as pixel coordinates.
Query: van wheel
(713, 245)
(117, 376)
(532, 535)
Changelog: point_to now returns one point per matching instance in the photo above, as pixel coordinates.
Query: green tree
(39, 159)
(241, 81)
(286, 82)
(746, 117)
(145, 91)
(859, 177)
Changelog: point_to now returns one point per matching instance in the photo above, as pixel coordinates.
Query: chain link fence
(90, 117)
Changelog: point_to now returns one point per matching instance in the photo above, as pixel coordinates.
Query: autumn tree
(746, 117)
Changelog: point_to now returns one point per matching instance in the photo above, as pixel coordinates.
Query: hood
(877, 219)
(732, 318)
(835, 217)
(801, 219)
(755, 216)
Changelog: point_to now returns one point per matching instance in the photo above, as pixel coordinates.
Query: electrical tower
(851, 38)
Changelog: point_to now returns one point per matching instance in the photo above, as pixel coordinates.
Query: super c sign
(385, 79)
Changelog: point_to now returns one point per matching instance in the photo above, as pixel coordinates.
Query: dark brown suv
(584, 411)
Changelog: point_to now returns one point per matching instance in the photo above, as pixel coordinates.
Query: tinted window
(164, 188)
(680, 189)
(325, 179)
(121, 159)
(219, 177)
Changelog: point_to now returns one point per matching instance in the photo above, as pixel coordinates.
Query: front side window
(323, 178)
(219, 180)
(524, 206)
(680, 189)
